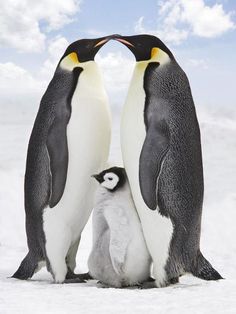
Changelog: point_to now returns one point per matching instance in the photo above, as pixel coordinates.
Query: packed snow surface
(191, 295)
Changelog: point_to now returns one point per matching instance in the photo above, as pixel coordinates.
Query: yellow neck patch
(70, 61)
(73, 56)
(157, 55)
(154, 53)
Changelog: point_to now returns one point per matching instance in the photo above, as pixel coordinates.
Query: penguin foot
(74, 280)
(147, 285)
(86, 276)
(173, 281)
(71, 277)
(102, 285)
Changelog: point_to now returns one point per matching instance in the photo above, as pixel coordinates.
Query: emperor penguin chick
(119, 256)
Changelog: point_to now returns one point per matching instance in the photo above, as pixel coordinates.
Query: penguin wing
(47, 156)
(59, 94)
(58, 158)
(119, 237)
(152, 156)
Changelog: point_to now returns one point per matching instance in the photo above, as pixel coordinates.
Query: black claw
(75, 280)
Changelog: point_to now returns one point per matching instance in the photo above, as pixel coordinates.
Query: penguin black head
(145, 47)
(82, 50)
(112, 178)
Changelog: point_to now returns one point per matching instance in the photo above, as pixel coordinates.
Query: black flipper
(58, 155)
(204, 270)
(56, 143)
(26, 268)
(152, 156)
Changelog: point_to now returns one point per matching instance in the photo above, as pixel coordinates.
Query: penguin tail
(27, 267)
(204, 270)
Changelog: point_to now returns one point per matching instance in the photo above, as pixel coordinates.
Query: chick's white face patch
(110, 180)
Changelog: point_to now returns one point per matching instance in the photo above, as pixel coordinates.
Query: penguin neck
(157, 56)
(91, 76)
(91, 72)
(138, 75)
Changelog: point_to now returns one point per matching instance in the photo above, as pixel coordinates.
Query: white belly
(88, 135)
(138, 261)
(157, 229)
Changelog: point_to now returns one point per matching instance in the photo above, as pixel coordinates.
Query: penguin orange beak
(101, 42)
(125, 42)
(115, 37)
(104, 40)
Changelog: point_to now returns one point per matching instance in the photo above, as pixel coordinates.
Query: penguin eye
(109, 178)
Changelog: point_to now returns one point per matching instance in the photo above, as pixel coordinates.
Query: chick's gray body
(119, 256)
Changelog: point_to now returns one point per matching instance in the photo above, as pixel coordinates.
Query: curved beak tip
(116, 37)
(101, 42)
(124, 41)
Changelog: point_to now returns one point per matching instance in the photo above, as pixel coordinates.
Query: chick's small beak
(97, 177)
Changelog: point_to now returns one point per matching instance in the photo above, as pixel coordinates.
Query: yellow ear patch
(159, 55)
(73, 56)
(70, 61)
(154, 52)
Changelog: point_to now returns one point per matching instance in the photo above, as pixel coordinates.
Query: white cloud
(16, 81)
(197, 63)
(20, 21)
(13, 77)
(18, 85)
(95, 33)
(178, 19)
(56, 48)
(116, 70)
(206, 21)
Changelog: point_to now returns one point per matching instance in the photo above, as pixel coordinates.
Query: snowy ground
(191, 295)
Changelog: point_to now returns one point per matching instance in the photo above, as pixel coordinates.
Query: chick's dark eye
(110, 178)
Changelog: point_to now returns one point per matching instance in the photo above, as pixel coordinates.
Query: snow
(40, 295)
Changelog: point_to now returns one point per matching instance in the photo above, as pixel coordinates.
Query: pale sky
(200, 33)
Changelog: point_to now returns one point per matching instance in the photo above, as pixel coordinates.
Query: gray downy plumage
(119, 256)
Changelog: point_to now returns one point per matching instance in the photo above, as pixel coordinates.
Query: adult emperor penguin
(161, 148)
(119, 257)
(69, 142)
